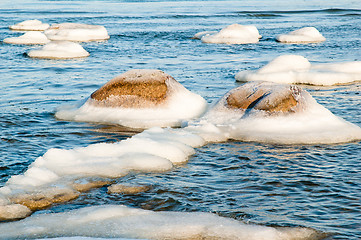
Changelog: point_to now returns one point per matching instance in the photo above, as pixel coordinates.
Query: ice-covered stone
(232, 34)
(76, 32)
(31, 37)
(303, 35)
(59, 50)
(30, 25)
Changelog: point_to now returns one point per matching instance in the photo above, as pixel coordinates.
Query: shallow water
(316, 186)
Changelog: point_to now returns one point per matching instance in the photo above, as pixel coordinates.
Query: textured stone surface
(134, 89)
(282, 98)
(127, 189)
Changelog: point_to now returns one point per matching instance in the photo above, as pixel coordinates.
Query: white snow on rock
(232, 34)
(59, 50)
(273, 113)
(295, 69)
(303, 35)
(139, 98)
(76, 32)
(31, 37)
(118, 221)
(30, 25)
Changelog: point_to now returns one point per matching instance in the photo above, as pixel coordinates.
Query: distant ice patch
(295, 69)
(303, 35)
(31, 37)
(30, 25)
(232, 34)
(139, 98)
(59, 50)
(76, 32)
(117, 221)
(272, 113)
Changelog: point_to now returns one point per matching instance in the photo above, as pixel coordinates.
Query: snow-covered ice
(31, 37)
(59, 50)
(30, 25)
(76, 32)
(118, 221)
(295, 69)
(232, 34)
(303, 35)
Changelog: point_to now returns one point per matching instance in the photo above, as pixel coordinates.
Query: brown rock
(134, 89)
(41, 200)
(271, 98)
(84, 187)
(126, 189)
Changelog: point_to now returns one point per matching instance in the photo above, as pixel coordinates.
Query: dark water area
(317, 186)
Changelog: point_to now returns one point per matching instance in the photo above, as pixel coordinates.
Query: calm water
(317, 186)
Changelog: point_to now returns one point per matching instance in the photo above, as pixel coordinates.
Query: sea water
(315, 186)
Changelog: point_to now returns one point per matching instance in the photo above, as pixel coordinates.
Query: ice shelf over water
(272, 113)
(117, 221)
(31, 37)
(303, 35)
(59, 50)
(76, 32)
(30, 25)
(139, 98)
(232, 34)
(295, 69)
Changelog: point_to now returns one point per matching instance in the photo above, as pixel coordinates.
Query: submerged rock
(127, 189)
(303, 35)
(30, 25)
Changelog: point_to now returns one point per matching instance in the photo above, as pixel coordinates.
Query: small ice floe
(59, 50)
(139, 98)
(296, 69)
(303, 35)
(232, 34)
(60, 175)
(76, 32)
(30, 25)
(118, 221)
(31, 37)
(273, 113)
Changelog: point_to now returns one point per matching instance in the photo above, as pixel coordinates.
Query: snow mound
(28, 38)
(303, 35)
(76, 32)
(30, 25)
(59, 50)
(295, 69)
(232, 34)
(118, 221)
(139, 98)
(272, 113)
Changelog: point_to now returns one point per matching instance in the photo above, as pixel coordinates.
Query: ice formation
(30, 25)
(117, 221)
(295, 69)
(272, 113)
(59, 175)
(31, 37)
(232, 34)
(59, 50)
(139, 98)
(76, 32)
(303, 35)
